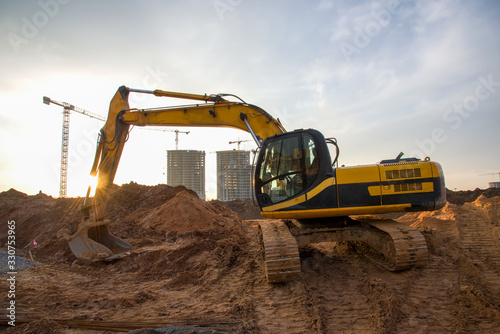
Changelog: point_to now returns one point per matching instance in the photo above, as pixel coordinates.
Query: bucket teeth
(93, 242)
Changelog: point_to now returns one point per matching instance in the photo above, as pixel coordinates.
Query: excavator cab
(288, 166)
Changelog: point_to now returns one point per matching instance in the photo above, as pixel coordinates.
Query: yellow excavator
(306, 197)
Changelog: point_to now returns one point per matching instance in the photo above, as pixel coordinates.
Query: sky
(382, 77)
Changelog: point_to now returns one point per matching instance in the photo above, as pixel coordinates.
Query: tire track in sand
(480, 246)
(337, 292)
(426, 298)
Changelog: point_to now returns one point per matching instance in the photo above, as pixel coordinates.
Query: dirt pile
(246, 209)
(189, 240)
(195, 263)
(12, 194)
(465, 196)
(39, 217)
(185, 214)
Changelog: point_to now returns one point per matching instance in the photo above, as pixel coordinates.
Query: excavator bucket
(93, 242)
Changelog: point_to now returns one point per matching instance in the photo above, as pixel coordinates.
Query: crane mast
(67, 108)
(177, 138)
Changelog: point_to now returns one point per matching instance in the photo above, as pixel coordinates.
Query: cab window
(311, 159)
(289, 166)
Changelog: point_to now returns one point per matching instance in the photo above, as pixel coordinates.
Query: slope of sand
(196, 265)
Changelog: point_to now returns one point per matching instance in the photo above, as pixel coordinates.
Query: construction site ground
(197, 267)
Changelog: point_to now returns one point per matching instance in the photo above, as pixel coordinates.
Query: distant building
(234, 175)
(187, 168)
(494, 185)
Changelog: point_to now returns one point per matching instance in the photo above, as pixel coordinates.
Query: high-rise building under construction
(187, 168)
(234, 179)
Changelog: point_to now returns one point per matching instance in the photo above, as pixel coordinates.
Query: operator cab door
(289, 166)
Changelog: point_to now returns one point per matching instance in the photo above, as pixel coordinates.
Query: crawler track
(281, 252)
(402, 246)
(393, 245)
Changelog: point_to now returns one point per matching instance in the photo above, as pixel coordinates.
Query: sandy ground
(198, 266)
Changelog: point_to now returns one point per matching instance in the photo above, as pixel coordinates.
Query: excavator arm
(93, 240)
(214, 112)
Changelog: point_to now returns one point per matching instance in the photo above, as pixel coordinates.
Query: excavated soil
(196, 267)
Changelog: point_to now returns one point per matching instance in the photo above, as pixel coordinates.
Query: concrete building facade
(234, 175)
(187, 168)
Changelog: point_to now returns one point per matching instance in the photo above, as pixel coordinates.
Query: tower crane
(239, 141)
(67, 108)
(176, 134)
(494, 184)
(488, 174)
(177, 137)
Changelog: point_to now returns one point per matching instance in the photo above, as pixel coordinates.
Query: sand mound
(12, 194)
(191, 241)
(174, 233)
(186, 213)
(39, 217)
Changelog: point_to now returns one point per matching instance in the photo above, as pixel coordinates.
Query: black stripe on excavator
(415, 199)
(357, 194)
(327, 198)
